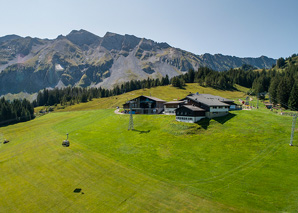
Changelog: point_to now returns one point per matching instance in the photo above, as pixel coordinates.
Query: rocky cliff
(84, 59)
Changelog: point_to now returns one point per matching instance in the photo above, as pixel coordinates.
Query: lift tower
(293, 129)
(130, 126)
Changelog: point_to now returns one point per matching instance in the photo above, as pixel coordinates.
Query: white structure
(170, 107)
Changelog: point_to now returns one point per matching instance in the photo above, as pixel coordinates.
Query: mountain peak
(9, 37)
(83, 37)
(112, 41)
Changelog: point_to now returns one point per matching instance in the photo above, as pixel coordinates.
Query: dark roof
(206, 101)
(208, 96)
(216, 97)
(149, 97)
(153, 98)
(192, 108)
(174, 102)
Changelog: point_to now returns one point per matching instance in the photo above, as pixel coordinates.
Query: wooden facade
(190, 114)
(145, 105)
(213, 107)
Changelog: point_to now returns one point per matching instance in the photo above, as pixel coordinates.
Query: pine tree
(191, 76)
(293, 100)
(283, 92)
(273, 90)
(280, 62)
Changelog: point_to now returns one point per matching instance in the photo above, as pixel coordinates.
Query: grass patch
(242, 163)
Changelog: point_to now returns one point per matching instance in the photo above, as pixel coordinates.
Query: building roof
(174, 102)
(206, 101)
(149, 97)
(208, 96)
(153, 98)
(217, 97)
(192, 108)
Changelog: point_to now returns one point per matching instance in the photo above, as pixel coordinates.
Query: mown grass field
(240, 163)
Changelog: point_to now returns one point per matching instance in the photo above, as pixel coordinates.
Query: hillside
(238, 163)
(282, 64)
(167, 93)
(84, 59)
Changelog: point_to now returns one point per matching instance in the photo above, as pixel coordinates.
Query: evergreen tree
(273, 90)
(293, 99)
(280, 62)
(221, 82)
(84, 98)
(283, 93)
(191, 76)
(167, 81)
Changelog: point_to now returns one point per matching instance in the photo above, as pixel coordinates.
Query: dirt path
(117, 112)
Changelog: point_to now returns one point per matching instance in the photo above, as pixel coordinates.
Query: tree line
(204, 76)
(282, 86)
(15, 111)
(75, 95)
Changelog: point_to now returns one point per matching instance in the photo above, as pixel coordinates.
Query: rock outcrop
(84, 59)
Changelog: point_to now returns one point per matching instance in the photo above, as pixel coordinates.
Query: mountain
(84, 59)
(9, 37)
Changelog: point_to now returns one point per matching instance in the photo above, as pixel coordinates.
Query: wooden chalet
(145, 105)
(213, 107)
(190, 113)
(231, 103)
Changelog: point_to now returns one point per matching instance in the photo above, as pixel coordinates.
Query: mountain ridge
(82, 58)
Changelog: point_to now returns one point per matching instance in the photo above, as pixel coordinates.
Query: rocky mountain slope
(84, 59)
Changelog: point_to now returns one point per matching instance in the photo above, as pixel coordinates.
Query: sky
(243, 28)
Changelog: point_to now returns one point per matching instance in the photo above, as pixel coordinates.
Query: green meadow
(238, 163)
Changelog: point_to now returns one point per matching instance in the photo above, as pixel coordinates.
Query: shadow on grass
(141, 132)
(225, 118)
(77, 190)
(12, 122)
(204, 123)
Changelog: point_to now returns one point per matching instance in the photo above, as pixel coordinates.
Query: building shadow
(141, 132)
(225, 118)
(204, 123)
(77, 190)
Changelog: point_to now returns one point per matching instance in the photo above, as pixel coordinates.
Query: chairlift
(65, 143)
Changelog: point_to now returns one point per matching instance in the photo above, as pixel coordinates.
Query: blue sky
(243, 28)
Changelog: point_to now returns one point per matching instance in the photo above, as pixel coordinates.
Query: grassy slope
(241, 162)
(167, 93)
(38, 174)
